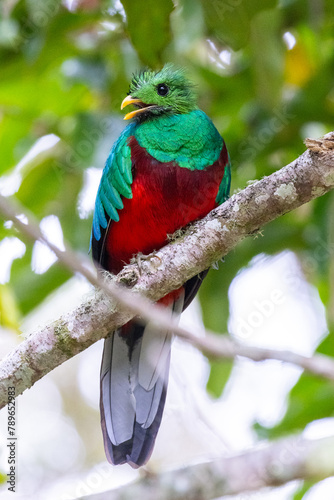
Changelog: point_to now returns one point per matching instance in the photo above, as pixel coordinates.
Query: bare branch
(273, 465)
(204, 242)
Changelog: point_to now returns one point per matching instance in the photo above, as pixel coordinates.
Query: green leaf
(149, 28)
(9, 312)
(299, 495)
(3, 477)
(30, 194)
(31, 289)
(267, 47)
(231, 20)
(219, 375)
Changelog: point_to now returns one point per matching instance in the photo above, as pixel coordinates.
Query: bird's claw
(129, 277)
(140, 257)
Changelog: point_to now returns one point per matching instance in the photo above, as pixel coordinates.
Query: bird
(169, 167)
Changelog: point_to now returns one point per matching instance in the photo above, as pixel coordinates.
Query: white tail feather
(119, 417)
(155, 349)
(134, 377)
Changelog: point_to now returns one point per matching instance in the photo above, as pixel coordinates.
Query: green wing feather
(115, 182)
(224, 188)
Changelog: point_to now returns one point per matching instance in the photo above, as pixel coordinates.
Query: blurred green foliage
(265, 75)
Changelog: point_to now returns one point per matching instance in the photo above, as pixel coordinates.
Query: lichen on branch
(201, 244)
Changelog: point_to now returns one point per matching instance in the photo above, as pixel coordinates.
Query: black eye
(162, 89)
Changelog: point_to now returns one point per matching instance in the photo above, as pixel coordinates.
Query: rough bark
(204, 242)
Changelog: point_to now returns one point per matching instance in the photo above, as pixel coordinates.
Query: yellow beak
(132, 100)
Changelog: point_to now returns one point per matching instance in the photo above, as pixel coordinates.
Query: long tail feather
(134, 378)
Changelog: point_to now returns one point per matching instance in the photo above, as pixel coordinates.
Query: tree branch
(273, 465)
(202, 243)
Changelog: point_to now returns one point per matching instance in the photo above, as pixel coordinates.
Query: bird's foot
(129, 277)
(257, 233)
(140, 257)
(178, 233)
(215, 265)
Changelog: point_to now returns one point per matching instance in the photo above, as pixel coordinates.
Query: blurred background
(264, 72)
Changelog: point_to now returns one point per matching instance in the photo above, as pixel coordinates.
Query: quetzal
(168, 167)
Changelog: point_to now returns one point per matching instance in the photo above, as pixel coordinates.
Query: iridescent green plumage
(176, 131)
(190, 139)
(181, 97)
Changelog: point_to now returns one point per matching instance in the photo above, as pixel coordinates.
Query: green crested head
(167, 91)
